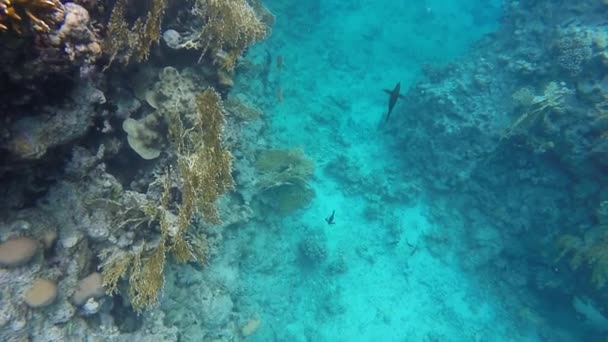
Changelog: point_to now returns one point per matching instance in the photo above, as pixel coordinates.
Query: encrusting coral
(143, 136)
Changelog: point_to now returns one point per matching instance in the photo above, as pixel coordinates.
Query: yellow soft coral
(41, 14)
(203, 164)
(147, 279)
(134, 41)
(592, 251)
(230, 27)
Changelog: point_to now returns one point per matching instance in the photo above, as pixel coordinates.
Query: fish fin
(388, 115)
(387, 91)
(402, 97)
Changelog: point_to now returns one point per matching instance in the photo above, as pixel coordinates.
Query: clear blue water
(337, 58)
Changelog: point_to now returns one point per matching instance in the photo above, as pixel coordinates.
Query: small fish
(280, 94)
(280, 62)
(330, 219)
(394, 95)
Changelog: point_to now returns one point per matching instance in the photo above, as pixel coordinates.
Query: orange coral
(39, 12)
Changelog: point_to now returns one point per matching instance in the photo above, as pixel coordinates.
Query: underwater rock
(62, 312)
(77, 36)
(225, 79)
(337, 266)
(70, 241)
(18, 251)
(48, 238)
(251, 327)
(594, 91)
(313, 249)
(31, 137)
(22, 225)
(90, 307)
(43, 292)
(217, 310)
(35, 63)
(172, 38)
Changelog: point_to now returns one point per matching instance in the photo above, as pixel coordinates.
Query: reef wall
(513, 137)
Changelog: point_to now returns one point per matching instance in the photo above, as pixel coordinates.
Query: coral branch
(137, 40)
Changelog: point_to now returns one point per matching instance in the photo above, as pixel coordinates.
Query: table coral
(284, 176)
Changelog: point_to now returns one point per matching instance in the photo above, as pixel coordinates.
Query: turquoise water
(378, 281)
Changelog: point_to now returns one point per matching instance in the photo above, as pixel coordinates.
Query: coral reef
(530, 158)
(228, 28)
(203, 164)
(36, 63)
(31, 137)
(89, 230)
(204, 174)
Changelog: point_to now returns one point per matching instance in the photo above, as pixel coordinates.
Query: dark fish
(266, 70)
(330, 219)
(394, 95)
(280, 94)
(280, 62)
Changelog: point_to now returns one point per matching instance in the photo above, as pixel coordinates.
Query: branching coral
(204, 174)
(41, 14)
(230, 26)
(531, 125)
(283, 184)
(145, 264)
(591, 250)
(147, 278)
(113, 269)
(134, 41)
(203, 164)
(535, 107)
